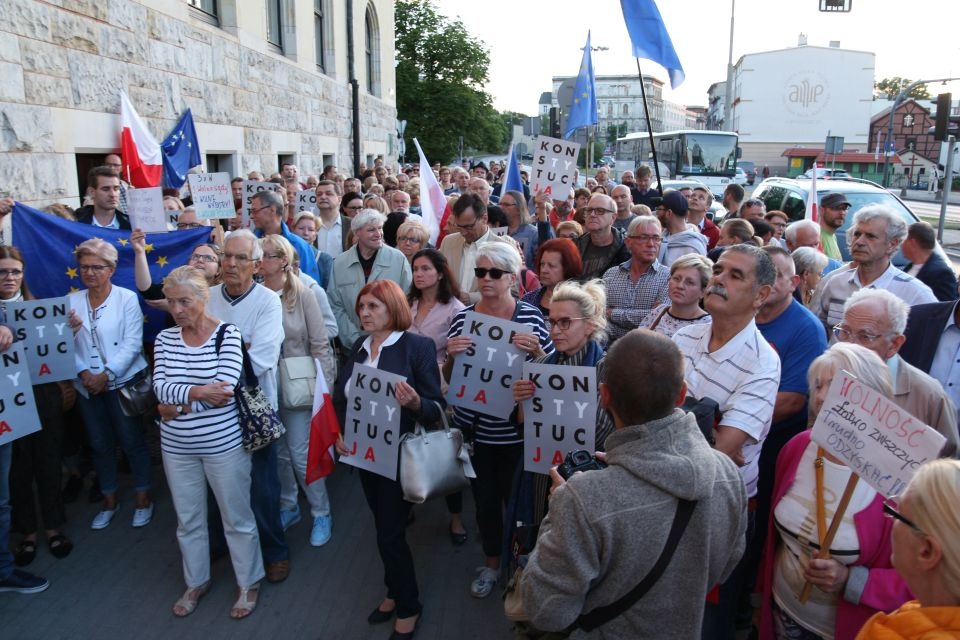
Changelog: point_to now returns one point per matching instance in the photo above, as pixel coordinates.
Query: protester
(926, 265)
(588, 553)
(412, 237)
(514, 206)
(196, 368)
(266, 212)
(497, 444)
(304, 335)
(205, 257)
(925, 533)
(389, 346)
(602, 246)
(689, 276)
(857, 579)
(808, 264)
(678, 238)
(103, 189)
(469, 218)
(557, 260)
(570, 230)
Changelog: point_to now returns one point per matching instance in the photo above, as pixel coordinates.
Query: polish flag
(813, 200)
(433, 204)
(324, 431)
(139, 150)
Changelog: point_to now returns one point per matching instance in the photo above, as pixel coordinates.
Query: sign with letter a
(561, 416)
(40, 329)
(372, 429)
(554, 164)
(18, 413)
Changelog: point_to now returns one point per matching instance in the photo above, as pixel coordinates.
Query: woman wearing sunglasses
(926, 552)
(858, 579)
(498, 443)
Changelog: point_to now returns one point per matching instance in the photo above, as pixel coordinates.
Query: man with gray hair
(877, 319)
(873, 238)
(729, 361)
(266, 213)
(602, 246)
(806, 233)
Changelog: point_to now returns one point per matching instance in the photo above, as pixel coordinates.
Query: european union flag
(513, 181)
(47, 244)
(650, 38)
(181, 151)
(583, 109)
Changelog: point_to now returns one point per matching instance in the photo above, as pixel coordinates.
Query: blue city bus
(707, 156)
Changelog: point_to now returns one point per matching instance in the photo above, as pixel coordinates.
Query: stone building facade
(267, 81)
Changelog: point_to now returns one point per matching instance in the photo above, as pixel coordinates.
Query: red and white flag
(813, 200)
(324, 431)
(139, 150)
(433, 204)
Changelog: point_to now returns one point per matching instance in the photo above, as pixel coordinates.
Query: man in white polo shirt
(729, 361)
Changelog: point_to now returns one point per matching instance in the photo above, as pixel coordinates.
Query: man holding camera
(666, 499)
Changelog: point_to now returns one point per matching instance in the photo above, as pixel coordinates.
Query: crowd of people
(753, 315)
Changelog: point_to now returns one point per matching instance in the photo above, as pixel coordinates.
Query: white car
(741, 177)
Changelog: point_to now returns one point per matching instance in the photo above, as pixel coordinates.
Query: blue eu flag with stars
(583, 107)
(181, 151)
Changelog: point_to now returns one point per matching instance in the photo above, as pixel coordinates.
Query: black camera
(579, 461)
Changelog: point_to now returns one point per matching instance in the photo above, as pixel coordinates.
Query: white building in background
(798, 96)
(619, 101)
(716, 105)
(267, 81)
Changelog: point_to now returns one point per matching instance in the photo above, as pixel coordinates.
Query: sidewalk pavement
(122, 582)
(925, 196)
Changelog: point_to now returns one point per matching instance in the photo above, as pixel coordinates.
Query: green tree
(440, 73)
(890, 88)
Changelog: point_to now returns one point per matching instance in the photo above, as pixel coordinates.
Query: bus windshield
(708, 155)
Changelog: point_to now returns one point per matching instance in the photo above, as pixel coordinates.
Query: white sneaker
(486, 580)
(142, 517)
(102, 519)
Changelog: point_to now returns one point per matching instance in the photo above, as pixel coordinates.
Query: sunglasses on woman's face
(481, 272)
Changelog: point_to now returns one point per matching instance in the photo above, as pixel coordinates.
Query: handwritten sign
(879, 441)
(554, 163)
(372, 429)
(250, 189)
(40, 327)
(483, 374)
(18, 412)
(212, 195)
(561, 416)
(307, 201)
(145, 207)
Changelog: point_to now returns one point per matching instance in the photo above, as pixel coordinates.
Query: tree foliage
(890, 88)
(441, 72)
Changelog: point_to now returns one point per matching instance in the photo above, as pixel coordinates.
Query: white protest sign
(880, 442)
(212, 195)
(307, 201)
(372, 429)
(483, 374)
(554, 163)
(250, 189)
(145, 208)
(500, 231)
(18, 412)
(561, 416)
(40, 327)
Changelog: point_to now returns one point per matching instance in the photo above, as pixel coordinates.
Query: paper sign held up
(250, 189)
(18, 411)
(880, 442)
(562, 415)
(40, 328)
(372, 428)
(554, 164)
(212, 195)
(146, 209)
(307, 201)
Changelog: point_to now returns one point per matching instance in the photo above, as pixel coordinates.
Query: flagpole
(646, 115)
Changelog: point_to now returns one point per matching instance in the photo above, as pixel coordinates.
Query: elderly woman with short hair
(108, 331)
(412, 236)
(809, 264)
(197, 367)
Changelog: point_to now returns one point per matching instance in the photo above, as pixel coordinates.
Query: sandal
(188, 601)
(246, 602)
(25, 552)
(60, 545)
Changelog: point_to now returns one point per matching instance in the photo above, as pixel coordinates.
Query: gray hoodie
(606, 529)
(680, 244)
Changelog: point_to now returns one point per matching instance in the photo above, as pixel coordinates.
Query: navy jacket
(85, 215)
(939, 276)
(924, 328)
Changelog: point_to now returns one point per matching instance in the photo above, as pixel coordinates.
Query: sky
(530, 41)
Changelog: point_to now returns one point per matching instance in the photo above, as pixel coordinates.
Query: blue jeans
(265, 500)
(106, 423)
(6, 558)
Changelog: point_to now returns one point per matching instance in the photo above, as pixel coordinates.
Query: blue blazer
(924, 328)
(412, 356)
(939, 276)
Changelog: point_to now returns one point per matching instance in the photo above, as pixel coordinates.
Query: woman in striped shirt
(197, 366)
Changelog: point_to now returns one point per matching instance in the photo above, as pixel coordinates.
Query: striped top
(488, 429)
(205, 430)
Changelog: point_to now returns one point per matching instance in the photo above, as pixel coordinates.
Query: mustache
(718, 291)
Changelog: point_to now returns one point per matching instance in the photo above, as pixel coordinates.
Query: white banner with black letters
(561, 416)
(372, 429)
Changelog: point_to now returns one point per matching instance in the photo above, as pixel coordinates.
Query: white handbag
(434, 463)
(298, 382)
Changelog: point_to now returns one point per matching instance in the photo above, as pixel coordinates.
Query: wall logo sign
(805, 94)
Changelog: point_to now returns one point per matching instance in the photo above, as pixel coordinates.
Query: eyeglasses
(188, 225)
(860, 337)
(596, 211)
(11, 273)
(357, 207)
(467, 227)
(646, 238)
(202, 257)
(93, 268)
(562, 323)
(410, 239)
(237, 258)
(569, 236)
(274, 256)
(258, 210)
(507, 204)
(890, 510)
(482, 272)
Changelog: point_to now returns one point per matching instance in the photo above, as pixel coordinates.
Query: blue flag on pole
(47, 244)
(650, 38)
(181, 151)
(512, 181)
(583, 108)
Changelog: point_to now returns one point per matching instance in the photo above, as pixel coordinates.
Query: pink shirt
(436, 323)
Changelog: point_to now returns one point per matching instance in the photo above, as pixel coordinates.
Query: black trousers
(390, 513)
(495, 465)
(36, 460)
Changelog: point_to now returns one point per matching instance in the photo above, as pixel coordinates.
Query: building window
(274, 33)
(372, 46)
(908, 120)
(626, 109)
(609, 109)
(207, 6)
(318, 32)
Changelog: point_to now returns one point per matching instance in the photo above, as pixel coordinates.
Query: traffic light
(554, 122)
(942, 126)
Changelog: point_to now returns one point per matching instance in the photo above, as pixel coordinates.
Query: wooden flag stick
(824, 552)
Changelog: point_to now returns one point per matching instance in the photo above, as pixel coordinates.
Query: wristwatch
(180, 410)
